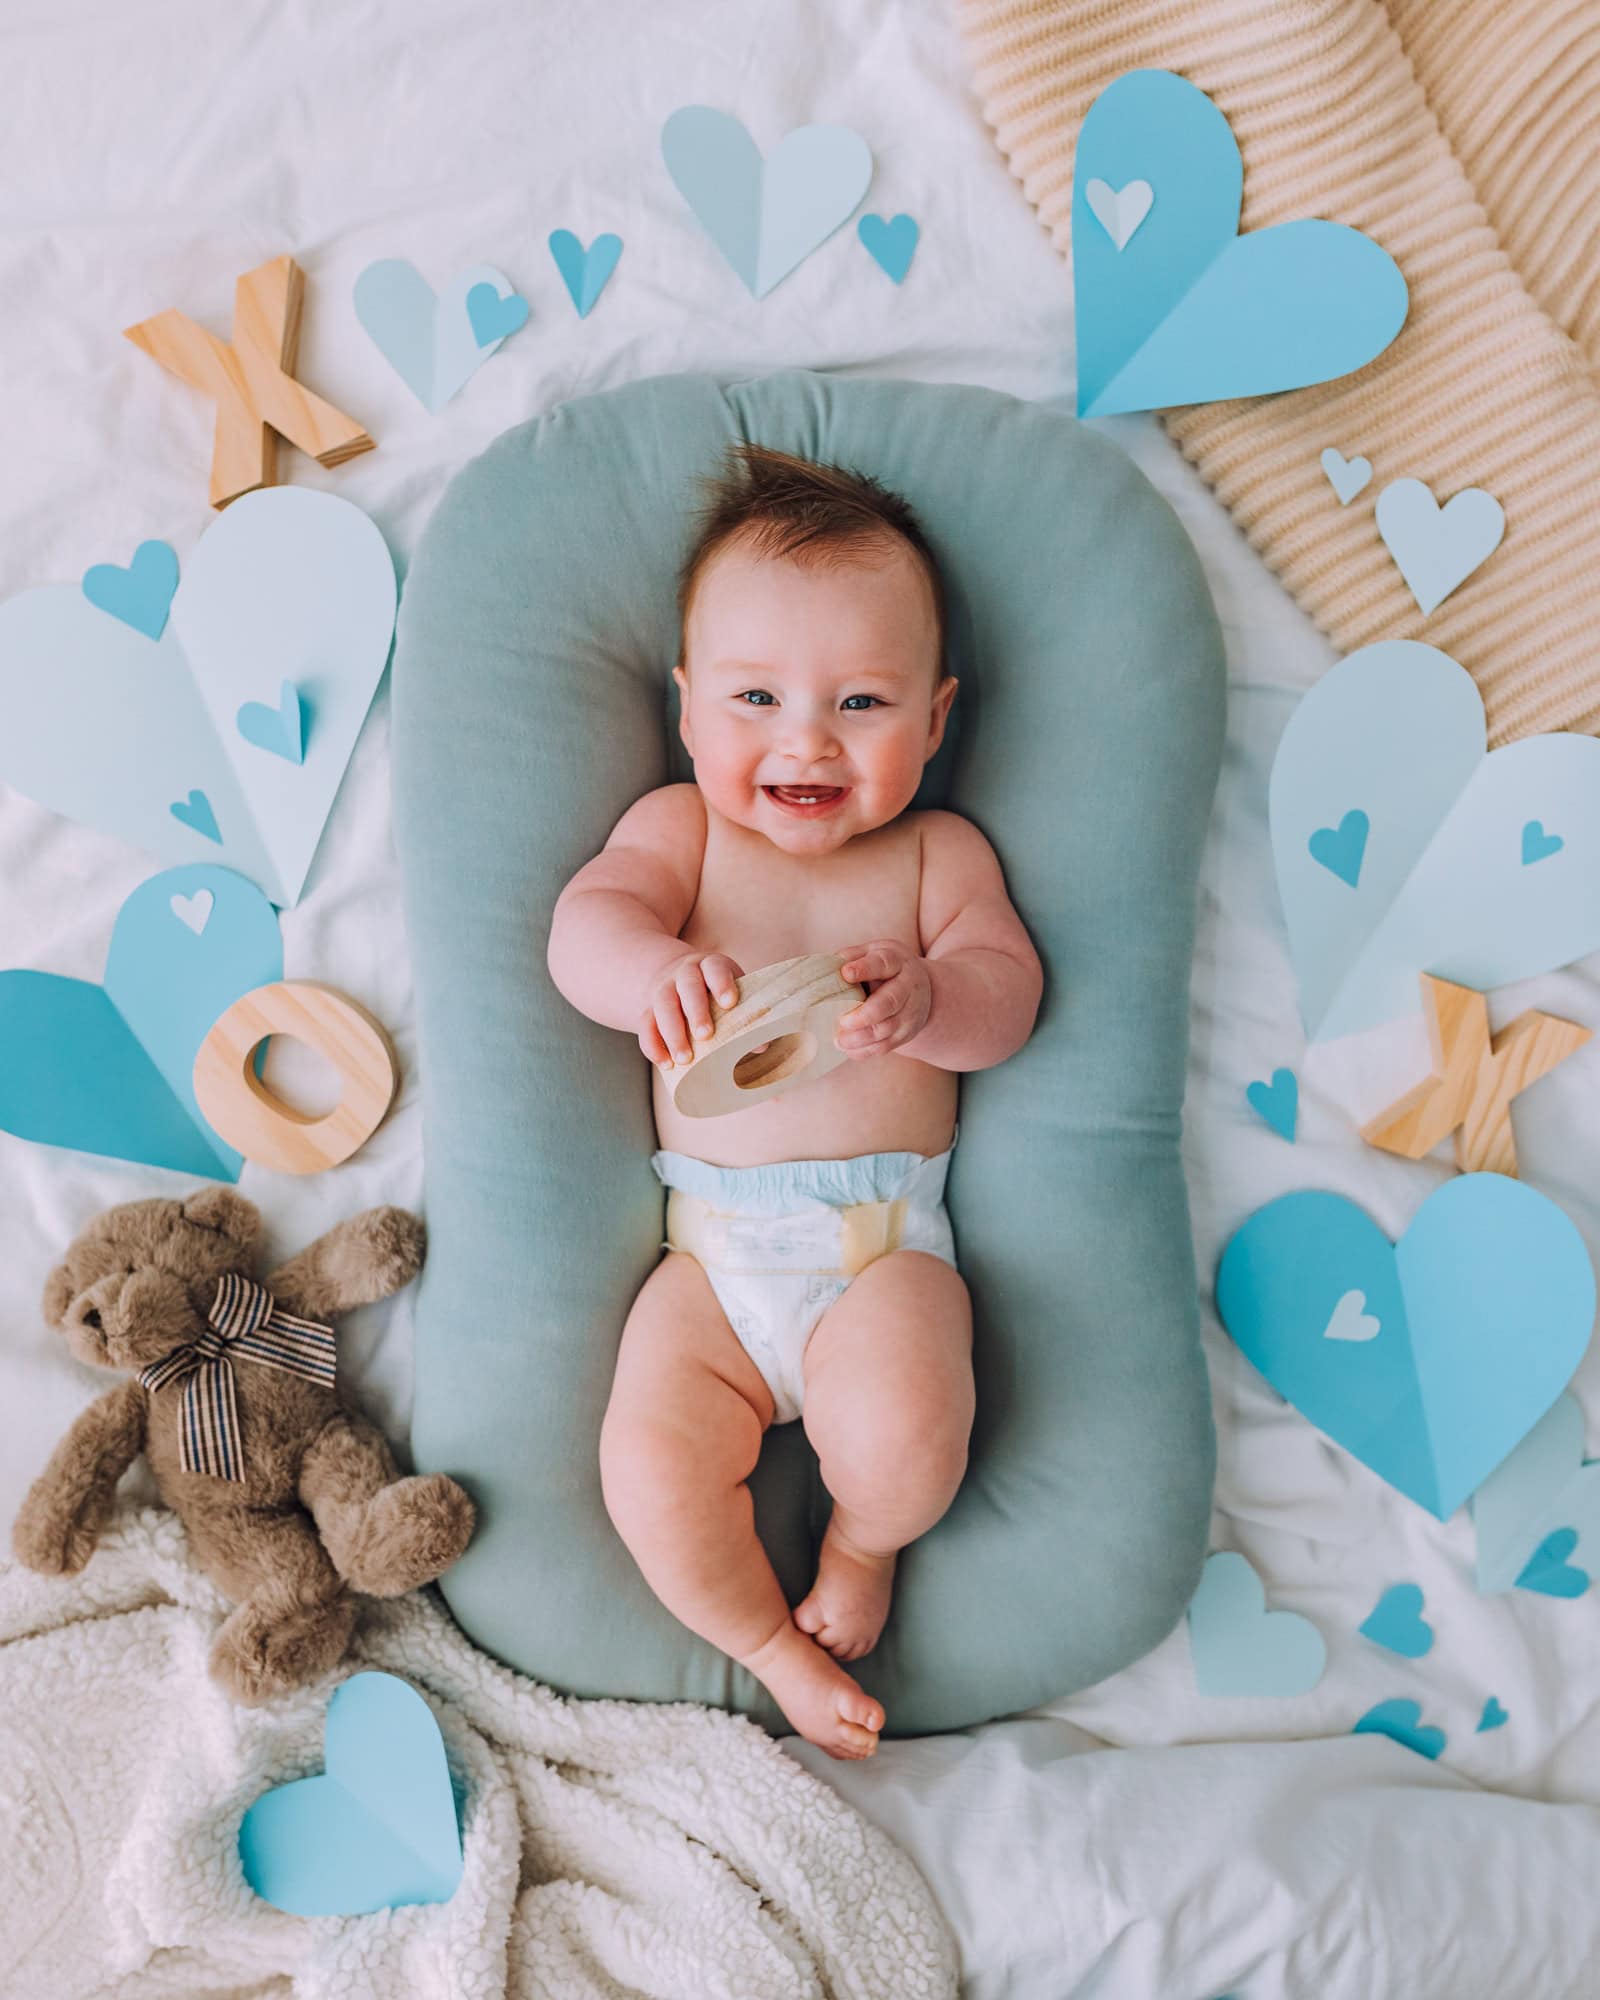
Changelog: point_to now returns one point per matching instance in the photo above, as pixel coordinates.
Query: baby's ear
(221, 1209)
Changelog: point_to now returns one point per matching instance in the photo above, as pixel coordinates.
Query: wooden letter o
(240, 1108)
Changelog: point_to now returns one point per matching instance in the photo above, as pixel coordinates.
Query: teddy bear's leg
(366, 1258)
(386, 1535)
(292, 1615)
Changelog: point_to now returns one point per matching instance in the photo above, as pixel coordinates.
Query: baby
(810, 1269)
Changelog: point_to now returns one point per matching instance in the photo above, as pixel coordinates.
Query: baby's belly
(879, 1104)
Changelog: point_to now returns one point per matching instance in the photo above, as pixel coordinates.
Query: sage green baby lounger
(532, 705)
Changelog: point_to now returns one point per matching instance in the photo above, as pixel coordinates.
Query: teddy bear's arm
(367, 1258)
(70, 1502)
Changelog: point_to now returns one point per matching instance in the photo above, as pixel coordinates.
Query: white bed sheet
(151, 155)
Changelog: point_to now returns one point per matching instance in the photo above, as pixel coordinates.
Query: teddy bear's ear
(221, 1209)
(58, 1295)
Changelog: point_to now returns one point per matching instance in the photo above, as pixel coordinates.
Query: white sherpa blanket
(611, 1849)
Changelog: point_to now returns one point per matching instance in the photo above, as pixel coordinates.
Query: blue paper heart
(1545, 1484)
(584, 272)
(1484, 1308)
(765, 216)
(139, 595)
(281, 730)
(1435, 548)
(1396, 1623)
(1403, 1721)
(1537, 845)
(1548, 1570)
(1277, 1103)
(1400, 728)
(1187, 310)
(196, 811)
(492, 316)
(378, 1830)
(1241, 1648)
(1494, 1716)
(1341, 850)
(110, 1069)
(891, 245)
(429, 340)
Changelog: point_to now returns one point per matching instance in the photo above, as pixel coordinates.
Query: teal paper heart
(891, 245)
(1549, 1572)
(428, 339)
(1402, 1720)
(143, 740)
(378, 1830)
(1494, 1716)
(1436, 548)
(1396, 1623)
(584, 272)
(1398, 730)
(765, 216)
(1537, 845)
(1185, 309)
(1277, 1103)
(139, 595)
(1242, 1648)
(492, 316)
(110, 1069)
(1342, 849)
(1347, 476)
(281, 730)
(1484, 1309)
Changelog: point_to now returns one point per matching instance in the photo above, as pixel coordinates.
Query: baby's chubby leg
(680, 1438)
(888, 1409)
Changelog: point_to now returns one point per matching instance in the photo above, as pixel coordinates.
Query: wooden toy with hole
(269, 1133)
(777, 1035)
(1475, 1079)
(251, 380)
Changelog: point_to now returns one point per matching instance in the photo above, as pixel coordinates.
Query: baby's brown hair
(785, 506)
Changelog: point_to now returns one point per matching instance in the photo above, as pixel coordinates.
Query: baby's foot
(847, 1604)
(825, 1705)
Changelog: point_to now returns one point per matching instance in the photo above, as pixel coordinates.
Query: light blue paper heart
(139, 595)
(1403, 1721)
(1396, 1622)
(1436, 548)
(1549, 1570)
(891, 245)
(494, 318)
(106, 727)
(765, 216)
(584, 272)
(1187, 310)
(1537, 845)
(378, 1830)
(280, 730)
(1399, 727)
(110, 1069)
(1241, 1648)
(1341, 849)
(426, 338)
(1545, 1484)
(1484, 1307)
(1277, 1103)
(1347, 476)
(1494, 1716)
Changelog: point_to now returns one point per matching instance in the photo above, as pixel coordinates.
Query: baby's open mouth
(803, 798)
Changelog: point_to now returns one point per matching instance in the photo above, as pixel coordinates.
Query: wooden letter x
(252, 381)
(1474, 1082)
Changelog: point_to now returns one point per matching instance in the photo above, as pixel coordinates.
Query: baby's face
(811, 682)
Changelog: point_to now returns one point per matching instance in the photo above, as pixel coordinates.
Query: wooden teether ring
(792, 1007)
(268, 1132)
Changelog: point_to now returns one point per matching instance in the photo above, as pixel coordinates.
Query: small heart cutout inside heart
(194, 911)
(1342, 849)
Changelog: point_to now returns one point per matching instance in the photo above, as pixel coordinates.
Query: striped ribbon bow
(244, 1320)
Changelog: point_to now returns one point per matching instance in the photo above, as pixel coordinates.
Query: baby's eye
(757, 697)
(849, 698)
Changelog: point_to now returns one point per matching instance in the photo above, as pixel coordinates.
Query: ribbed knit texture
(1464, 137)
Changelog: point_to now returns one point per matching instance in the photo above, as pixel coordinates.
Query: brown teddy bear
(289, 1500)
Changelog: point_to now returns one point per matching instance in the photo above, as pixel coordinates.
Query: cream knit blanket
(1464, 137)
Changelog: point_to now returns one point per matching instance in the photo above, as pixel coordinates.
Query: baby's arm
(614, 936)
(983, 979)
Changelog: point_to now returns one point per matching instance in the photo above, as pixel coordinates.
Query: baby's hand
(680, 1007)
(899, 1004)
